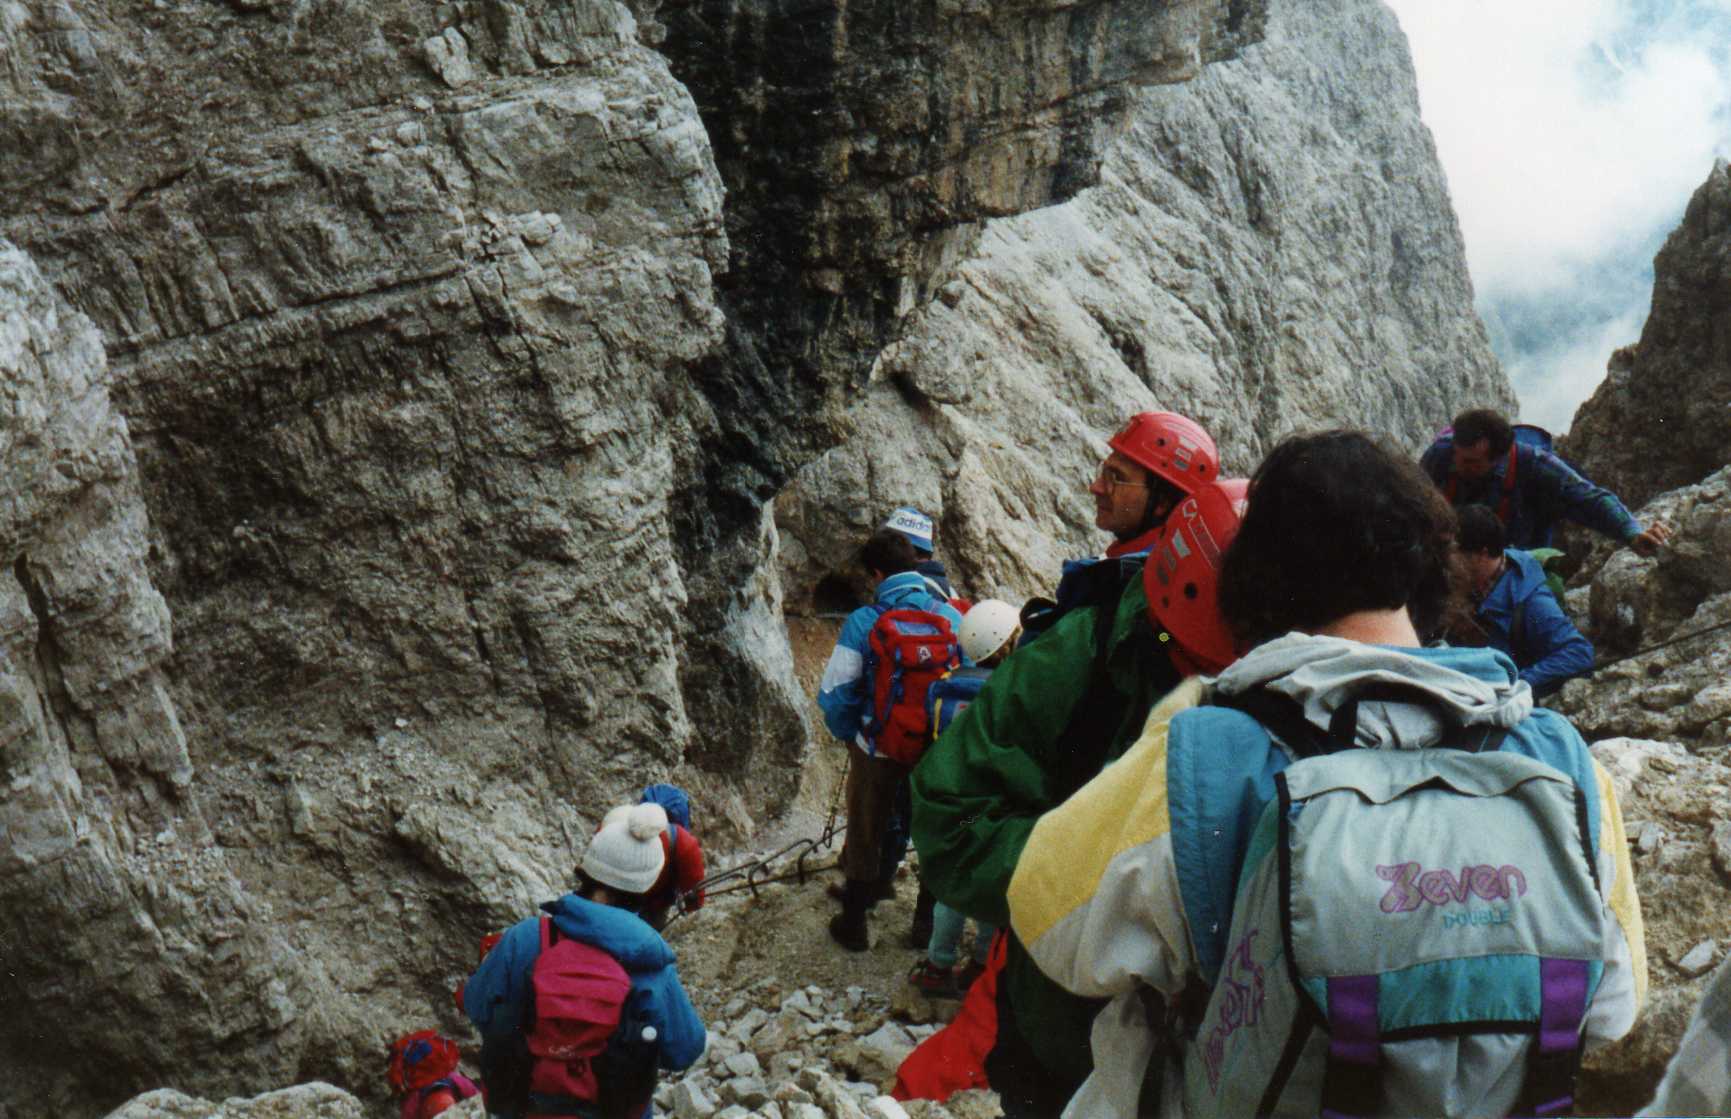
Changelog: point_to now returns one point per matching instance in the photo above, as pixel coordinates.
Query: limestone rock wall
(1270, 248)
(398, 303)
(437, 445)
(1659, 420)
(118, 906)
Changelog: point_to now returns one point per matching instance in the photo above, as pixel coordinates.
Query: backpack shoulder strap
(1506, 507)
(1220, 773)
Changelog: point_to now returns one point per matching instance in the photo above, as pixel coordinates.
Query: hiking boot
(848, 928)
(969, 972)
(933, 981)
(881, 890)
(920, 932)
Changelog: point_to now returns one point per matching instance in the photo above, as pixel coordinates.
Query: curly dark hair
(1338, 522)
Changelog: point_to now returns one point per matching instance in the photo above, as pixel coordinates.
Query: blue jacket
(1546, 489)
(934, 570)
(1547, 648)
(497, 995)
(844, 691)
(673, 799)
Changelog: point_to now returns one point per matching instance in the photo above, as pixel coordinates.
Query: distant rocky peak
(1662, 417)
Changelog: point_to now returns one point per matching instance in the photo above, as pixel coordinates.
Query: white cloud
(1573, 133)
(1552, 383)
(1562, 139)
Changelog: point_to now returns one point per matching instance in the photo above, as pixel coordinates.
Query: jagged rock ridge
(1655, 431)
(1660, 419)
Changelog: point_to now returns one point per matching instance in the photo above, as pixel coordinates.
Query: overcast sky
(1573, 133)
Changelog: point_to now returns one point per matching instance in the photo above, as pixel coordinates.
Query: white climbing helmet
(986, 626)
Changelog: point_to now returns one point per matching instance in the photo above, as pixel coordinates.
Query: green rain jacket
(1047, 721)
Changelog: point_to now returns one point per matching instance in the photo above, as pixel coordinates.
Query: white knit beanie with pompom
(626, 853)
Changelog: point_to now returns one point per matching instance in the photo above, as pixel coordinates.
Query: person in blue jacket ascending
(845, 697)
(1516, 609)
(1480, 461)
(568, 1058)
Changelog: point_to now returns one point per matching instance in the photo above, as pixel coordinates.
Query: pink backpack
(578, 993)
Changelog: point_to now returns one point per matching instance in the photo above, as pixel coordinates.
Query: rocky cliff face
(1660, 419)
(119, 907)
(1655, 431)
(1270, 248)
(430, 435)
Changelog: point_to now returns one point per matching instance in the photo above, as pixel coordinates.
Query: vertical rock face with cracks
(126, 937)
(863, 143)
(1271, 248)
(451, 464)
(398, 302)
(1661, 419)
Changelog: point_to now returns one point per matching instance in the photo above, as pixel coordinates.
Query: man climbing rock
(1514, 607)
(1051, 717)
(868, 693)
(1479, 461)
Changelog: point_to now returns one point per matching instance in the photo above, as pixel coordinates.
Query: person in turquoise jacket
(844, 695)
(1516, 610)
(620, 865)
(1132, 884)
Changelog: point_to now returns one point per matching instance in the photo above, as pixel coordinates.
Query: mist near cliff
(1572, 132)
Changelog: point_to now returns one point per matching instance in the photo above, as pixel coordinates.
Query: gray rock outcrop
(1662, 417)
(119, 908)
(1677, 811)
(1682, 691)
(1271, 248)
(303, 1101)
(1659, 708)
(448, 459)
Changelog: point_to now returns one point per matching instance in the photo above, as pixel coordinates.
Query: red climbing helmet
(1174, 447)
(420, 1058)
(1182, 575)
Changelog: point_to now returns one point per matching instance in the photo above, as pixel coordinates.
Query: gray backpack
(1414, 933)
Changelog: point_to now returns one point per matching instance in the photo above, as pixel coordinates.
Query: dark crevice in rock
(53, 682)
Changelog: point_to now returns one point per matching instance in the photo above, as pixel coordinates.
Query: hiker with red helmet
(1370, 877)
(1156, 459)
(1483, 459)
(1049, 719)
(423, 1074)
(1152, 463)
(580, 1006)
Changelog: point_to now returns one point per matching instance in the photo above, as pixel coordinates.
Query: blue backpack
(951, 693)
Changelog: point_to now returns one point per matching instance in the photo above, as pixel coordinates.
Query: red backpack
(578, 993)
(906, 652)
